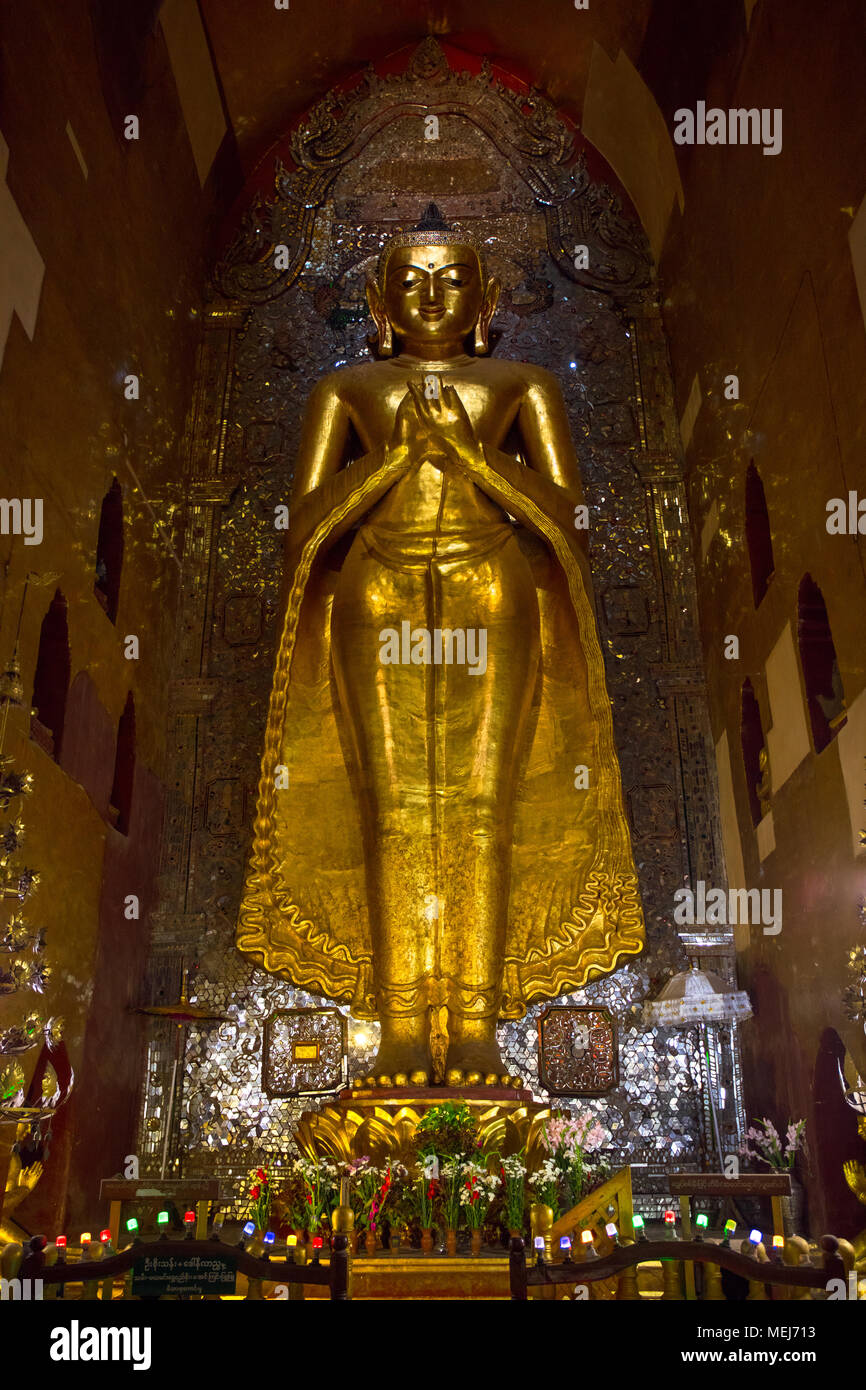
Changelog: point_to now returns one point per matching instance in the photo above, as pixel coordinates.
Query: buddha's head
(432, 291)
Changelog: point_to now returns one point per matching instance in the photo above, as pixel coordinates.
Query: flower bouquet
(447, 1130)
(321, 1184)
(478, 1188)
(259, 1209)
(424, 1194)
(512, 1173)
(569, 1140)
(450, 1184)
(374, 1186)
(544, 1182)
(767, 1146)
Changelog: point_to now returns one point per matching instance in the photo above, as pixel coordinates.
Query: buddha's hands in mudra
(438, 426)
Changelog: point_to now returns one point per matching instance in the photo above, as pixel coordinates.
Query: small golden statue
(20, 1182)
(440, 837)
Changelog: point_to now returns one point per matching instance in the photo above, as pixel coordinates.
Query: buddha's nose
(431, 291)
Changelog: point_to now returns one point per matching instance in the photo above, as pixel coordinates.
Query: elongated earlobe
(385, 338)
(482, 327)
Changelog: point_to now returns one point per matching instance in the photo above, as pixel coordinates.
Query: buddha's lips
(431, 313)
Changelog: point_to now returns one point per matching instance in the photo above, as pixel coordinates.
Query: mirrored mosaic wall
(263, 352)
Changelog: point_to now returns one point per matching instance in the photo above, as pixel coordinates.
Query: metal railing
(49, 1267)
(797, 1280)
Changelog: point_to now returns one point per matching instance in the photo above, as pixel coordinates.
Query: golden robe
(571, 907)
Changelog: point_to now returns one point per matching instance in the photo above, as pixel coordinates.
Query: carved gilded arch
(526, 130)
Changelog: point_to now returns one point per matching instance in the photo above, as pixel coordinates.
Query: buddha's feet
(477, 1064)
(400, 1065)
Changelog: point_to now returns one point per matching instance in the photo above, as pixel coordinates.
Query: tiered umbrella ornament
(699, 997)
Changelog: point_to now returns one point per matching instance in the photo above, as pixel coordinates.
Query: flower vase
(451, 1241)
(427, 1239)
(370, 1240)
(353, 1241)
(793, 1210)
(541, 1223)
(475, 1241)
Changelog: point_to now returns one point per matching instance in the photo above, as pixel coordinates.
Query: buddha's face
(433, 295)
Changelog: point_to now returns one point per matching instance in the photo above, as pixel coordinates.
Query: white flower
(545, 1175)
(513, 1167)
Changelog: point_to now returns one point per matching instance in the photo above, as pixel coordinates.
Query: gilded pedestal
(381, 1123)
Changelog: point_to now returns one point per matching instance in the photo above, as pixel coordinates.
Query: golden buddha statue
(440, 837)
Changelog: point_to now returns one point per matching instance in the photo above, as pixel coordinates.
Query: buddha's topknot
(431, 230)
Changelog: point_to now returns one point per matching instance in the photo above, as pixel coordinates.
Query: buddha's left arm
(550, 479)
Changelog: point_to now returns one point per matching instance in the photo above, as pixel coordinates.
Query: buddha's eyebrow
(453, 265)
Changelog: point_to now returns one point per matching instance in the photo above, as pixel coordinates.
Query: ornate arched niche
(359, 166)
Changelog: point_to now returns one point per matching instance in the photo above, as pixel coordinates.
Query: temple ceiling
(277, 66)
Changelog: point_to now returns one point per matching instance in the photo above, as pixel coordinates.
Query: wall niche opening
(51, 679)
(753, 746)
(758, 537)
(109, 551)
(825, 695)
(120, 807)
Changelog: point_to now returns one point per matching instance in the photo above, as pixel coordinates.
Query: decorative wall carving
(577, 1051)
(304, 1052)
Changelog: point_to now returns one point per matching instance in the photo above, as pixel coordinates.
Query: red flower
(260, 1173)
(431, 1190)
(255, 1191)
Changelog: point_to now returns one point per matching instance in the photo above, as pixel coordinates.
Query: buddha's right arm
(329, 497)
(343, 498)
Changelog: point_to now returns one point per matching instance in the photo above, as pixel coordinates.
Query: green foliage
(448, 1130)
